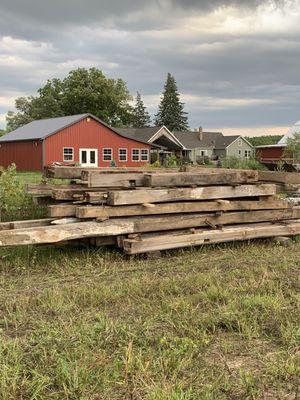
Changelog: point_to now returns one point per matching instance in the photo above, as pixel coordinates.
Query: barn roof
(290, 133)
(42, 128)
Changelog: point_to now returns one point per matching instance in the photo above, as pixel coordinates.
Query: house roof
(191, 140)
(140, 134)
(225, 141)
(42, 128)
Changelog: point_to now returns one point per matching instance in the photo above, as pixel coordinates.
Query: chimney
(200, 133)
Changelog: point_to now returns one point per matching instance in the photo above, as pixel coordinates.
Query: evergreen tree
(170, 111)
(141, 117)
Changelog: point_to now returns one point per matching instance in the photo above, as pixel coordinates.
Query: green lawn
(30, 177)
(210, 323)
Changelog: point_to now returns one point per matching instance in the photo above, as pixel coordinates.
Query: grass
(30, 177)
(209, 323)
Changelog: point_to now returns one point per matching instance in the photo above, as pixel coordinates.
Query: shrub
(171, 161)
(241, 163)
(15, 204)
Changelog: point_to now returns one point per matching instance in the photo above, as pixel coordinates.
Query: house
(82, 139)
(160, 136)
(271, 155)
(233, 146)
(198, 145)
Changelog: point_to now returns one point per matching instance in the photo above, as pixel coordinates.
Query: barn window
(107, 154)
(68, 154)
(135, 155)
(144, 155)
(122, 154)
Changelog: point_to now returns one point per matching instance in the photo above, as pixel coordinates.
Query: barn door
(88, 157)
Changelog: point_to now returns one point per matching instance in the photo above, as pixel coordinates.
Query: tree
(263, 140)
(292, 149)
(81, 91)
(141, 117)
(171, 110)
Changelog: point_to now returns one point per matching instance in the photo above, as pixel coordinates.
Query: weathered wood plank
(227, 234)
(280, 177)
(200, 179)
(46, 190)
(121, 226)
(122, 180)
(200, 193)
(71, 193)
(61, 210)
(177, 207)
(25, 224)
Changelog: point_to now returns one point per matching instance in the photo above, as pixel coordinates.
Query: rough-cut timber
(183, 194)
(54, 234)
(70, 193)
(200, 178)
(61, 210)
(121, 180)
(41, 190)
(25, 224)
(227, 234)
(280, 177)
(171, 208)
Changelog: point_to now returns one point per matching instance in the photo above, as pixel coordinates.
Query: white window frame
(111, 154)
(247, 153)
(126, 155)
(65, 148)
(139, 155)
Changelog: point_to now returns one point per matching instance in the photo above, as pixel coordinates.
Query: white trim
(64, 154)
(88, 150)
(139, 150)
(123, 148)
(147, 150)
(157, 135)
(111, 155)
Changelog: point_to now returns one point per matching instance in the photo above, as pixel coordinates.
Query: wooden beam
(280, 177)
(115, 227)
(41, 190)
(71, 193)
(177, 207)
(25, 224)
(227, 234)
(201, 193)
(200, 179)
(121, 180)
(61, 210)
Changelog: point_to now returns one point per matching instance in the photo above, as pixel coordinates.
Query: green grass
(210, 323)
(30, 177)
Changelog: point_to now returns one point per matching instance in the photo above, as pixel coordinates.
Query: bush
(242, 163)
(15, 204)
(171, 161)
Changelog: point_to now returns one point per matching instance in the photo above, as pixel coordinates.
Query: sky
(236, 62)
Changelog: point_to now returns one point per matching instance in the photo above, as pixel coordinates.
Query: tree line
(90, 91)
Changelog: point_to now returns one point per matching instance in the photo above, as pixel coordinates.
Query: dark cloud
(228, 78)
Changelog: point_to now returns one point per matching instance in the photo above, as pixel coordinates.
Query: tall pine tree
(141, 117)
(170, 111)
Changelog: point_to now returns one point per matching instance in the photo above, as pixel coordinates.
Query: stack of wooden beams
(143, 210)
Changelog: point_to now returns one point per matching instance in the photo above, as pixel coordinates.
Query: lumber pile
(142, 210)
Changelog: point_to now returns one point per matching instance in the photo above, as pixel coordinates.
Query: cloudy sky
(236, 62)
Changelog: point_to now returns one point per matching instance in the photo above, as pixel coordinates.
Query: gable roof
(225, 141)
(290, 133)
(42, 128)
(191, 140)
(141, 134)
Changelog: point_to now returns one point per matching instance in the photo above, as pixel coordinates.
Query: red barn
(82, 139)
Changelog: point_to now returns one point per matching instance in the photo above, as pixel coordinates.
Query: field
(210, 323)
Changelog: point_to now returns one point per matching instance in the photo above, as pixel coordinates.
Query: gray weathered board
(182, 194)
(121, 226)
(197, 238)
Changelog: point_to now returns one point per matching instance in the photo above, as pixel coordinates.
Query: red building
(270, 155)
(82, 139)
